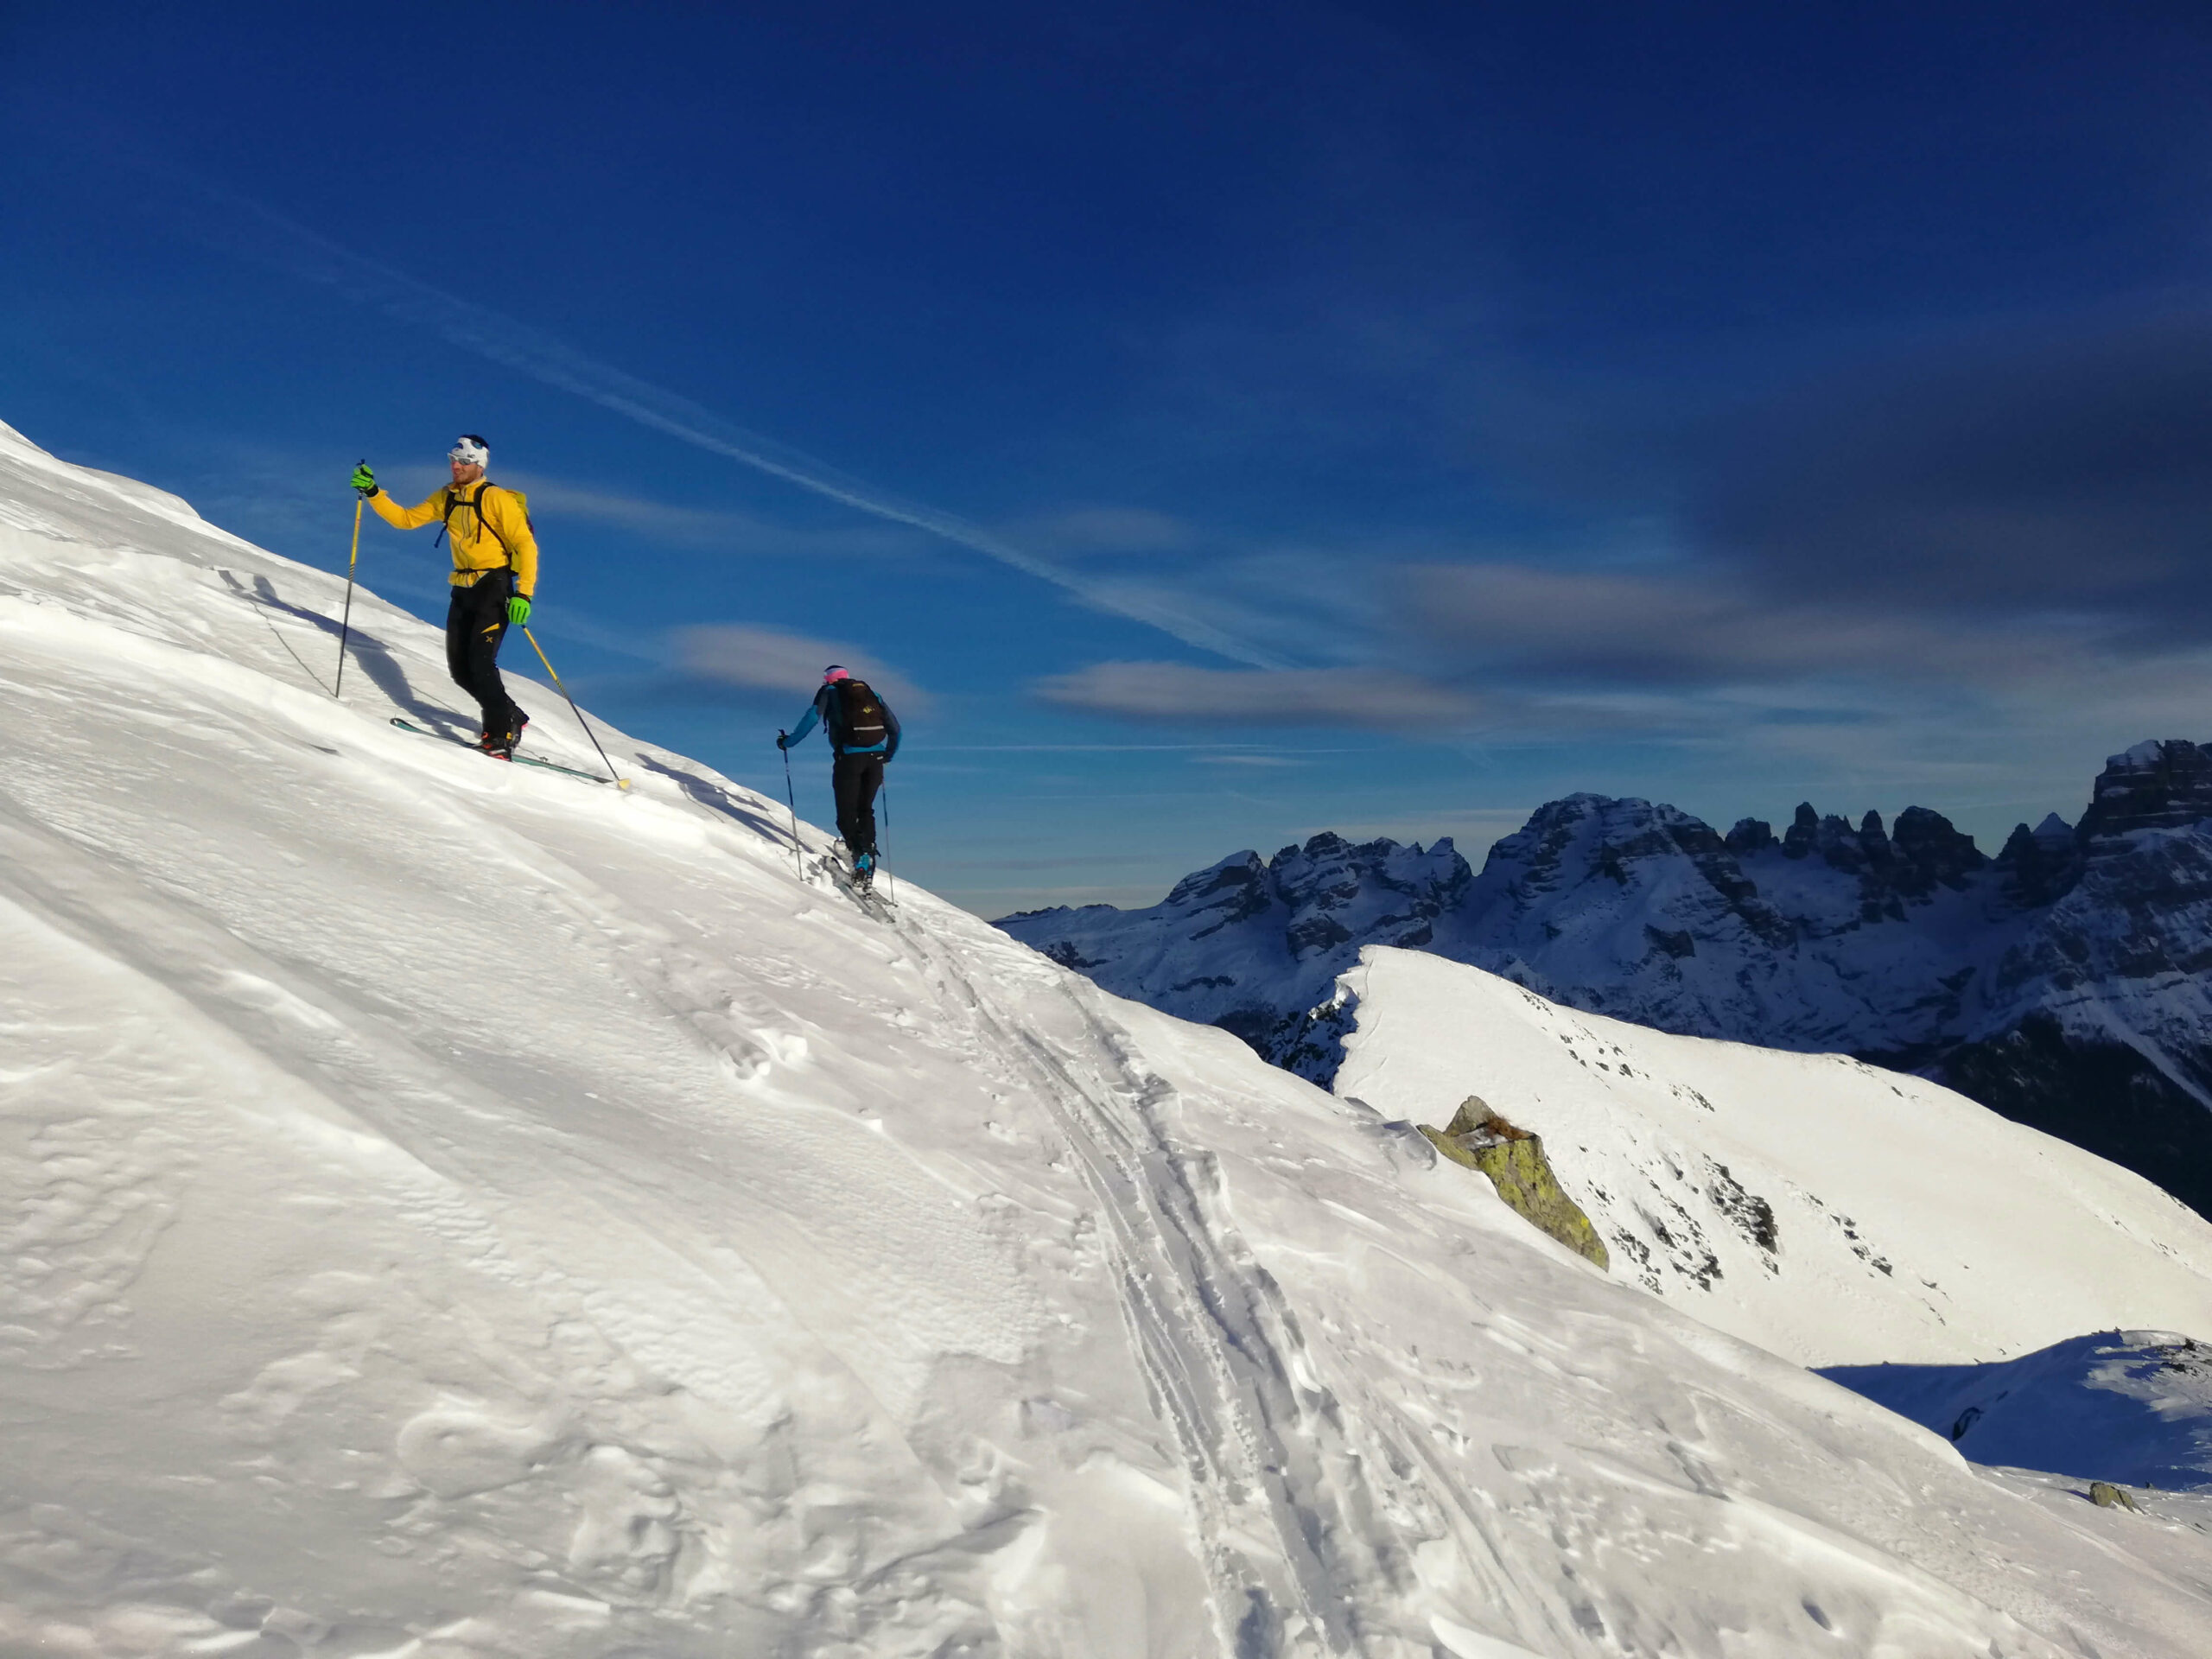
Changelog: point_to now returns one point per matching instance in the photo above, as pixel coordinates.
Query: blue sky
(1214, 423)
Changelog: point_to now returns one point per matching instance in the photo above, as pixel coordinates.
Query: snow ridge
(1830, 1211)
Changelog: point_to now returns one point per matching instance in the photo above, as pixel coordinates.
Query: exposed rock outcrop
(1515, 1161)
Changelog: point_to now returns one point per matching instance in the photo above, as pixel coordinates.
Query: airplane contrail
(518, 346)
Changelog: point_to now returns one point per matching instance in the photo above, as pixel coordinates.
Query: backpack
(860, 717)
(452, 500)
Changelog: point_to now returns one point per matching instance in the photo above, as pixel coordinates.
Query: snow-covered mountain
(2066, 982)
(1811, 1204)
(455, 1211)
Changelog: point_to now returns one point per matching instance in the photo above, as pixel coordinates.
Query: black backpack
(859, 716)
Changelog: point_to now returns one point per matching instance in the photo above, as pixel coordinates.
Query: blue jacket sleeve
(890, 727)
(798, 732)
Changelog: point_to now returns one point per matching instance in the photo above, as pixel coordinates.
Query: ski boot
(501, 745)
(864, 873)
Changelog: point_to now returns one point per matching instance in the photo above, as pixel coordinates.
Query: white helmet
(470, 451)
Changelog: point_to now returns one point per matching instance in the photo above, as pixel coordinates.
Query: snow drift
(452, 1211)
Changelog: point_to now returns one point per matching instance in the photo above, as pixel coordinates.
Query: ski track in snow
(1219, 1349)
(455, 1212)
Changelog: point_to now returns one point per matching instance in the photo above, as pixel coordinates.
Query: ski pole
(620, 782)
(798, 863)
(353, 558)
(890, 881)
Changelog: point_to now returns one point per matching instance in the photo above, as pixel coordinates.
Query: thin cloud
(1112, 530)
(769, 659)
(695, 526)
(1310, 696)
(527, 350)
(1213, 748)
(703, 526)
(1705, 628)
(2066, 467)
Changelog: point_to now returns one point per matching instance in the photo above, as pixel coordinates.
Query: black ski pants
(854, 779)
(476, 621)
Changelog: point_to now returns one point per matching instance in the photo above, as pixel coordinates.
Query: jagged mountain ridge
(2063, 982)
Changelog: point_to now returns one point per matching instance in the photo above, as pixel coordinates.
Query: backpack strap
(475, 504)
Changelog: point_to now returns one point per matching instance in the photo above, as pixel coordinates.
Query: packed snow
(456, 1211)
(1829, 1210)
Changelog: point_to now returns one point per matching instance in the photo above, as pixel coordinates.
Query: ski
(518, 759)
(869, 900)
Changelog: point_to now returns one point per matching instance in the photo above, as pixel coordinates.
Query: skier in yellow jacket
(494, 576)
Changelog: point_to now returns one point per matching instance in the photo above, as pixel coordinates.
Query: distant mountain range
(2066, 982)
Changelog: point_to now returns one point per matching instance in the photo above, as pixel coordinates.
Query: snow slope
(1832, 1212)
(2133, 1406)
(452, 1210)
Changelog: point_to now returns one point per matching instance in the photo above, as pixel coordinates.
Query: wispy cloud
(1707, 626)
(1213, 748)
(2062, 465)
(728, 531)
(1311, 697)
(503, 340)
(1111, 529)
(769, 659)
(699, 527)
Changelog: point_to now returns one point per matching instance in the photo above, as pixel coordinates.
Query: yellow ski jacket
(487, 524)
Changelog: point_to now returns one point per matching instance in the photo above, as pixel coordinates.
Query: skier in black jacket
(863, 734)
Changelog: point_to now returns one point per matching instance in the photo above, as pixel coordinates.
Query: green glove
(517, 611)
(363, 479)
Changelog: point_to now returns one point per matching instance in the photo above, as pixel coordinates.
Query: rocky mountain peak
(2036, 865)
(1804, 830)
(1926, 850)
(1750, 837)
(1236, 886)
(1333, 888)
(1331, 870)
(1930, 852)
(1630, 847)
(2163, 785)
